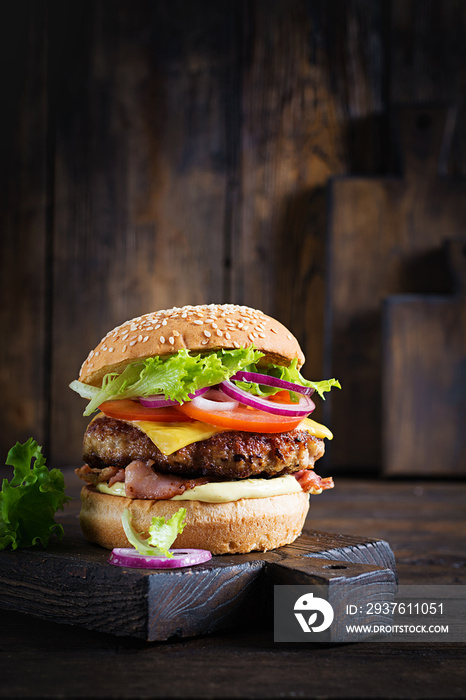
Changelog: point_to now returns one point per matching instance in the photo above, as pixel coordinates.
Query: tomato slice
(281, 397)
(127, 409)
(250, 420)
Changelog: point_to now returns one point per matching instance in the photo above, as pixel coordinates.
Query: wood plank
(23, 223)
(298, 101)
(424, 350)
(70, 582)
(386, 237)
(42, 658)
(428, 55)
(141, 174)
(428, 63)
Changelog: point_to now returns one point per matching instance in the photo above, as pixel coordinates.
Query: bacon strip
(96, 476)
(118, 477)
(141, 481)
(312, 482)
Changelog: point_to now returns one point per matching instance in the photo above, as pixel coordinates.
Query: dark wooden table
(425, 524)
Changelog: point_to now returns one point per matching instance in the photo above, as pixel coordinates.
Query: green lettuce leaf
(175, 376)
(29, 501)
(162, 533)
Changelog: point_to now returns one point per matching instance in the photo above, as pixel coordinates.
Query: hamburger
(202, 407)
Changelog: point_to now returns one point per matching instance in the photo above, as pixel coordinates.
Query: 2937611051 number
(392, 607)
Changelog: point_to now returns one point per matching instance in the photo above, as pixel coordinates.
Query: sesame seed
(133, 342)
(110, 349)
(124, 348)
(207, 334)
(219, 332)
(251, 337)
(171, 340)
(236, 344)
(214, 325)
(198, 322)
(96, 353)
(162, 339)
(164, 322)
(204, 342)
(176, 334)
(274, 330)
(262, 335)
(227, 336)
(156, 328)
(125, 336)
(139, 338)
(144, 340)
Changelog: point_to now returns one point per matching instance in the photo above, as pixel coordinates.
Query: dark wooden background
(156, 153)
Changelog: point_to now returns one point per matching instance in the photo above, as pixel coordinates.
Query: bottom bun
(235, 527)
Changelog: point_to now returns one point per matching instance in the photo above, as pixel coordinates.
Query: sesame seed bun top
(196, 328)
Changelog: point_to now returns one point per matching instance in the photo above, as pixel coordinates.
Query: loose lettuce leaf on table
(29, 501)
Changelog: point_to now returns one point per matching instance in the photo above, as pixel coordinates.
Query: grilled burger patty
(230, 454)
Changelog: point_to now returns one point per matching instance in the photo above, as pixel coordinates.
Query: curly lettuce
(176, 376)
(29, 501)
(182, 374)
(162, 533)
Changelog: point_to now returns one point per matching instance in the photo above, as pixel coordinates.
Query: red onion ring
(303, 408)
(159, 400)
(129, 557)
(214, 400)
(272, 381)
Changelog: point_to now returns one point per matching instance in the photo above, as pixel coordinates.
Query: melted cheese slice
(225, 491)
(316, 429)
(170, 437)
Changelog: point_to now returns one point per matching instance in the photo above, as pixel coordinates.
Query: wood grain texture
(428, 63)
(140, 175)
(23, 224)
(422, 520)
(341, 583)
(160, 153)
(386, 237)
(427, 66)
(70, 583)
(299, 95)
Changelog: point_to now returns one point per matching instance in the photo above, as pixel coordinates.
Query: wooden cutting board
(424, 379)
(72, 582)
